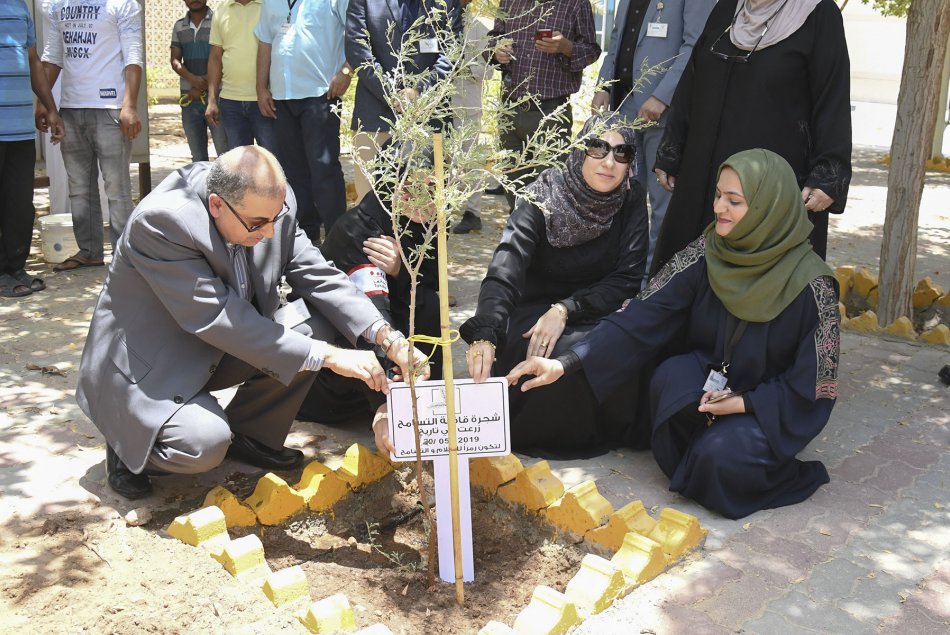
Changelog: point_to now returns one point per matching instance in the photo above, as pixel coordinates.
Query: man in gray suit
(191, 305)
(655, 32)
(386, 22)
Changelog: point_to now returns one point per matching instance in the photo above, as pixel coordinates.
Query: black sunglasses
(743, 58)
(253, 228)
(599, 149)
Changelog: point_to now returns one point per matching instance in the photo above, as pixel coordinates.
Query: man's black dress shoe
(498, 190)
(469, 221)
(247, 450)
(123, 480)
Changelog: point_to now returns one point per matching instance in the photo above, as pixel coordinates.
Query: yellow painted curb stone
(677, 533)
(207, 525)
(535, 487)
(865, 323)
(842, 311)
(926, 293)
(496, 628)
(490, 473)
(873, 298)
(640, 558)
(361, 466)
(939, 334)
(286, 586)
(329, 615)
(944, 300)
(631, 517)
(901, 327)
(274, 501)
(320, 487)
(548, 613)
(236, 513)
(244, 558)
(863, 281)
(581, 509)
(844, 276)
(596, 585)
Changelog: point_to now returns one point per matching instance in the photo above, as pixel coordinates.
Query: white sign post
(481, 412)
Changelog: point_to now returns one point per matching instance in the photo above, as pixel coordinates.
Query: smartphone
(542, 34)
(724, 396)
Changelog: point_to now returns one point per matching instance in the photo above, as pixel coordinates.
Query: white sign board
(481, 416)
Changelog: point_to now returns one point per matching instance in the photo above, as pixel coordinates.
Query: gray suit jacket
(374, 17)
(168, 312)
(685, 20)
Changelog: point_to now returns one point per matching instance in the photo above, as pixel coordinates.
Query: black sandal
(35, 284)
(9, 286)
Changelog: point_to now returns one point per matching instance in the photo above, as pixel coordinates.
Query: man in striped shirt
(20, 70)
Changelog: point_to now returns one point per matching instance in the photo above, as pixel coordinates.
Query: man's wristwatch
(391, 338)
(346, 70)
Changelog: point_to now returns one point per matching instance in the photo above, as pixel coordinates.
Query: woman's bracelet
(560, 308)
(482, 342)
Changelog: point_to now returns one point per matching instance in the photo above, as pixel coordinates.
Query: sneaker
(470, 221)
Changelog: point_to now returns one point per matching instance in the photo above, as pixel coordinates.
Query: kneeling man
(189, 307)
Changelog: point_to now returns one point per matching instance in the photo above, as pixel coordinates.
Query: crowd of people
(713, 170)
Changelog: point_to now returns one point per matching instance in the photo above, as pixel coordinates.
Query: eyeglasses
(599, 149)
(253, 228)
(743, 59)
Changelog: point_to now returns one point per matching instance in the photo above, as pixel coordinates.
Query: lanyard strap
(290, 8)
(735, 328)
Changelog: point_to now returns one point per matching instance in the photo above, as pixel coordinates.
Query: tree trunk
(936, 150)
(928, 29)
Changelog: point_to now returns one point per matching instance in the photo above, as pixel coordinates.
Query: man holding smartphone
(545, 47)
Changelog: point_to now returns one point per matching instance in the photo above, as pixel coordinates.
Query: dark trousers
(308, 141)
(525, 122)
(16, 203)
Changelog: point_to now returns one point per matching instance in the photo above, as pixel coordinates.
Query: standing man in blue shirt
(301, 74)
(21, 71)
(190, 50)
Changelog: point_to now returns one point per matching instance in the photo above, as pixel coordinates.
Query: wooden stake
(447, 373)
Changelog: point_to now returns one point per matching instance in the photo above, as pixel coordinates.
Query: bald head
(247, 169)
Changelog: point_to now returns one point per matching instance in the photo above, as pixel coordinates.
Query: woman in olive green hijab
(753, 315)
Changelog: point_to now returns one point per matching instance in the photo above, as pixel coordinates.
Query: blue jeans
(94, 142)
(243, 124)
(196, 131)
(308, 134)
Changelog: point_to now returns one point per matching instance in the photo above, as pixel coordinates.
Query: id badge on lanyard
(717, 378)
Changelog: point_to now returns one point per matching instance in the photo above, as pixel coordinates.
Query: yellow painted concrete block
(940, 334)
(865, 323)
(863, 282)
(236, 513)
(361, 466)
(199, 527)
(535, 487)
(844, 275)
(490, 473)
(496, 628)
(926, 293)
(677, 533)
(596, 585)
(842, 311)
(375, 629)
(873, 298)
(548, 613)
(244, 558)
(944, 301)
(320, 487)
(274, 501)
(639, 558)
(631, 517)
(901, 327)
(581, 509)
(329, 615)
(286, 586)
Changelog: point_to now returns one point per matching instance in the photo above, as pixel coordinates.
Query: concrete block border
(640, 547)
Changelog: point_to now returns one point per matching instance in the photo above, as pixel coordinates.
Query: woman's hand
(479, 357)
(545, 371)
(815, 199)
(545, 333)
(725, 406)
(383, 251)
(381, 430)
(666, 181)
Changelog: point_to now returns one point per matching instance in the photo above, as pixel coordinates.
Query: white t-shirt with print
(93, 41)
